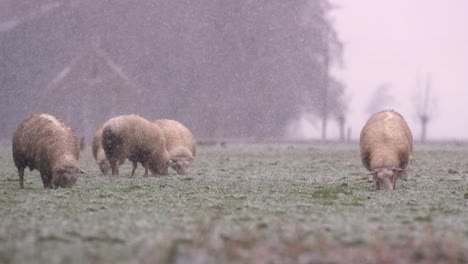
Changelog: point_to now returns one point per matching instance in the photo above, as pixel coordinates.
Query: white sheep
(139, 140)
(45, 143)
(180, 144)
(386, 145)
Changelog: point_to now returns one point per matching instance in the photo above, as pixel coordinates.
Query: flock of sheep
(47, 144)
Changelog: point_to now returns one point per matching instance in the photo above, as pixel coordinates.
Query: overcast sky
(396, 41)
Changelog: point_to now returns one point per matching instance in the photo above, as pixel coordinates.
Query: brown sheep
(180, 144)
(139, 140)
(99, 154)
(45, 143)
(386, 145)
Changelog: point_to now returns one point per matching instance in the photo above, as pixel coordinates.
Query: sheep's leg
(21, 177)
(145, 165)
(134, 168)
(377, 184)
(114, 167)
(49, 182)
(46, 180)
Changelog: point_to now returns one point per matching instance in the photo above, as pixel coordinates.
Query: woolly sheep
(139, 140)
(386, 145)
(45, 143)
(180, 144)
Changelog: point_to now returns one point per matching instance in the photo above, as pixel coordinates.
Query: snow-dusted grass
(242, 203)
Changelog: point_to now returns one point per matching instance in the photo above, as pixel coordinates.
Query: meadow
(243, 203)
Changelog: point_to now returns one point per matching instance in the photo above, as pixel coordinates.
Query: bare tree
(339, 105)
(329, 53)
(425, 107)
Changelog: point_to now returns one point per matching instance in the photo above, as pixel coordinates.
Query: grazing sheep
(386, 146)
(99, 154)
(45, 143)
(180, 144)
(139, 140)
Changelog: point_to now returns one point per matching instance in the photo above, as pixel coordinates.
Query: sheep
(180, 144)
(99, 154)
(386, 145)
(45, 143)
(139, 140)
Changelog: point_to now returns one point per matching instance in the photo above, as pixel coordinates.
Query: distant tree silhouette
(339, 102)
(425, 106)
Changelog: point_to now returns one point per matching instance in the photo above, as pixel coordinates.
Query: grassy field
(257, 203)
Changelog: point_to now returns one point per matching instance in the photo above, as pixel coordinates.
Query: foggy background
(236, 69)
(226, 69)
(403, 44)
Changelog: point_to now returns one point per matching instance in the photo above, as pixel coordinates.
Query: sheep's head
(385, 178)
(157, 167)
(180, 164)
(104, 166)
(65, 177)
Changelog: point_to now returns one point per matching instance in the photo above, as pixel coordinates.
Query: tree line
(226, 69)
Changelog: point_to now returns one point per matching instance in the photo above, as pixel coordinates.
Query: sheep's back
(43, 140)
(386, 136)
(177, 135)
(135, 133)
